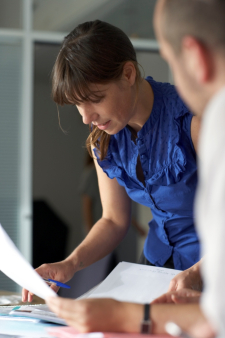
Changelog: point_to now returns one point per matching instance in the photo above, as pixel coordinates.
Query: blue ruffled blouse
(168, 160)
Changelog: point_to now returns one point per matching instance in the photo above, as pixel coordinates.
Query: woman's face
(115, 110)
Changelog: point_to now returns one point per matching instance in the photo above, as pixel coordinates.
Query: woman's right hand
(60, 271)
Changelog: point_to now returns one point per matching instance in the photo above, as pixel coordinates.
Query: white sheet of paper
(13, 264)
(137, 283)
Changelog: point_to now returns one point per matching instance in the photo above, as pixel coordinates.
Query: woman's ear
(197, 59)
(129, 73)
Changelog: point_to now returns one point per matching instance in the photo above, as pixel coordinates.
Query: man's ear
(129, 72)
(197, 58)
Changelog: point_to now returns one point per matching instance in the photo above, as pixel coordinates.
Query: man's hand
(60, 271)
(179, 297)
(88, 315)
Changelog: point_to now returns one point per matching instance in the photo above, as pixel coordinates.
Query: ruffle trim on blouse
(170, 174)
(173, 166)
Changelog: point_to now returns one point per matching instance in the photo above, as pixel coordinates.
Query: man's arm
(108, 315)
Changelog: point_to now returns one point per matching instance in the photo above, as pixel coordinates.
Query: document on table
(40, 312)
(22, 326)
(13, 265)
(134, 283)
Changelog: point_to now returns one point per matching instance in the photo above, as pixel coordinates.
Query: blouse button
(142, 156)
(139, 142)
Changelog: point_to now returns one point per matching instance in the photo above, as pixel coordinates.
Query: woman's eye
(99, 100)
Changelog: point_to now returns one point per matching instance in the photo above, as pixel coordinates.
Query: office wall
(58, 160)
(10, 135)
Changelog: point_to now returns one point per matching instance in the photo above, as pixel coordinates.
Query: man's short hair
(202, 19)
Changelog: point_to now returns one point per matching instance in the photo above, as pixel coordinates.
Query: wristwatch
(146, 324)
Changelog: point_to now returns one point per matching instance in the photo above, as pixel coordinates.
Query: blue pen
(57, 283)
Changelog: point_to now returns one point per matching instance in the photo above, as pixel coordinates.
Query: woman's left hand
(88, 315)
(187, 279)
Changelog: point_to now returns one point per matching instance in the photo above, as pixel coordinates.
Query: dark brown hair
(202, 19)
(93, 53)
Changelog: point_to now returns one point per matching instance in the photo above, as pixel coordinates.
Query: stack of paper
(40, 312)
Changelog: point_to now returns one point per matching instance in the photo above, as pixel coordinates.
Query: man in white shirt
(192, 40)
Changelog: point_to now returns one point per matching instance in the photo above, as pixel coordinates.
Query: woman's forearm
(103, 238)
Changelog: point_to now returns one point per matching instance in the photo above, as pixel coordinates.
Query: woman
(143, 139)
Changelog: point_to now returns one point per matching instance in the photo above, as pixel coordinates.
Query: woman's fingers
(30, 297)
(187, 279)
(27, 296)
(24, 295)
(46, 271)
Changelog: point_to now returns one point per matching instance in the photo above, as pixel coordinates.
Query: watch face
(146, 327)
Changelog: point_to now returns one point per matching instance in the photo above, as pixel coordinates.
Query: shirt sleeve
(210, 212)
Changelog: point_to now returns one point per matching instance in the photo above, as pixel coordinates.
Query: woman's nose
(88, 116)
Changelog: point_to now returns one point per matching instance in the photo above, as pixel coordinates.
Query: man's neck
(218, 82)
(215, 84)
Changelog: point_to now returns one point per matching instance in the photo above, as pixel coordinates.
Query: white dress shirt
(210, 210)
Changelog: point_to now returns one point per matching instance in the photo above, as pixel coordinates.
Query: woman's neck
(143, 107)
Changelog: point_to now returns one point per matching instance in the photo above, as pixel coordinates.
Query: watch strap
(146, 322)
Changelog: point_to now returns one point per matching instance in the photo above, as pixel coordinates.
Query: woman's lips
(103, 126)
